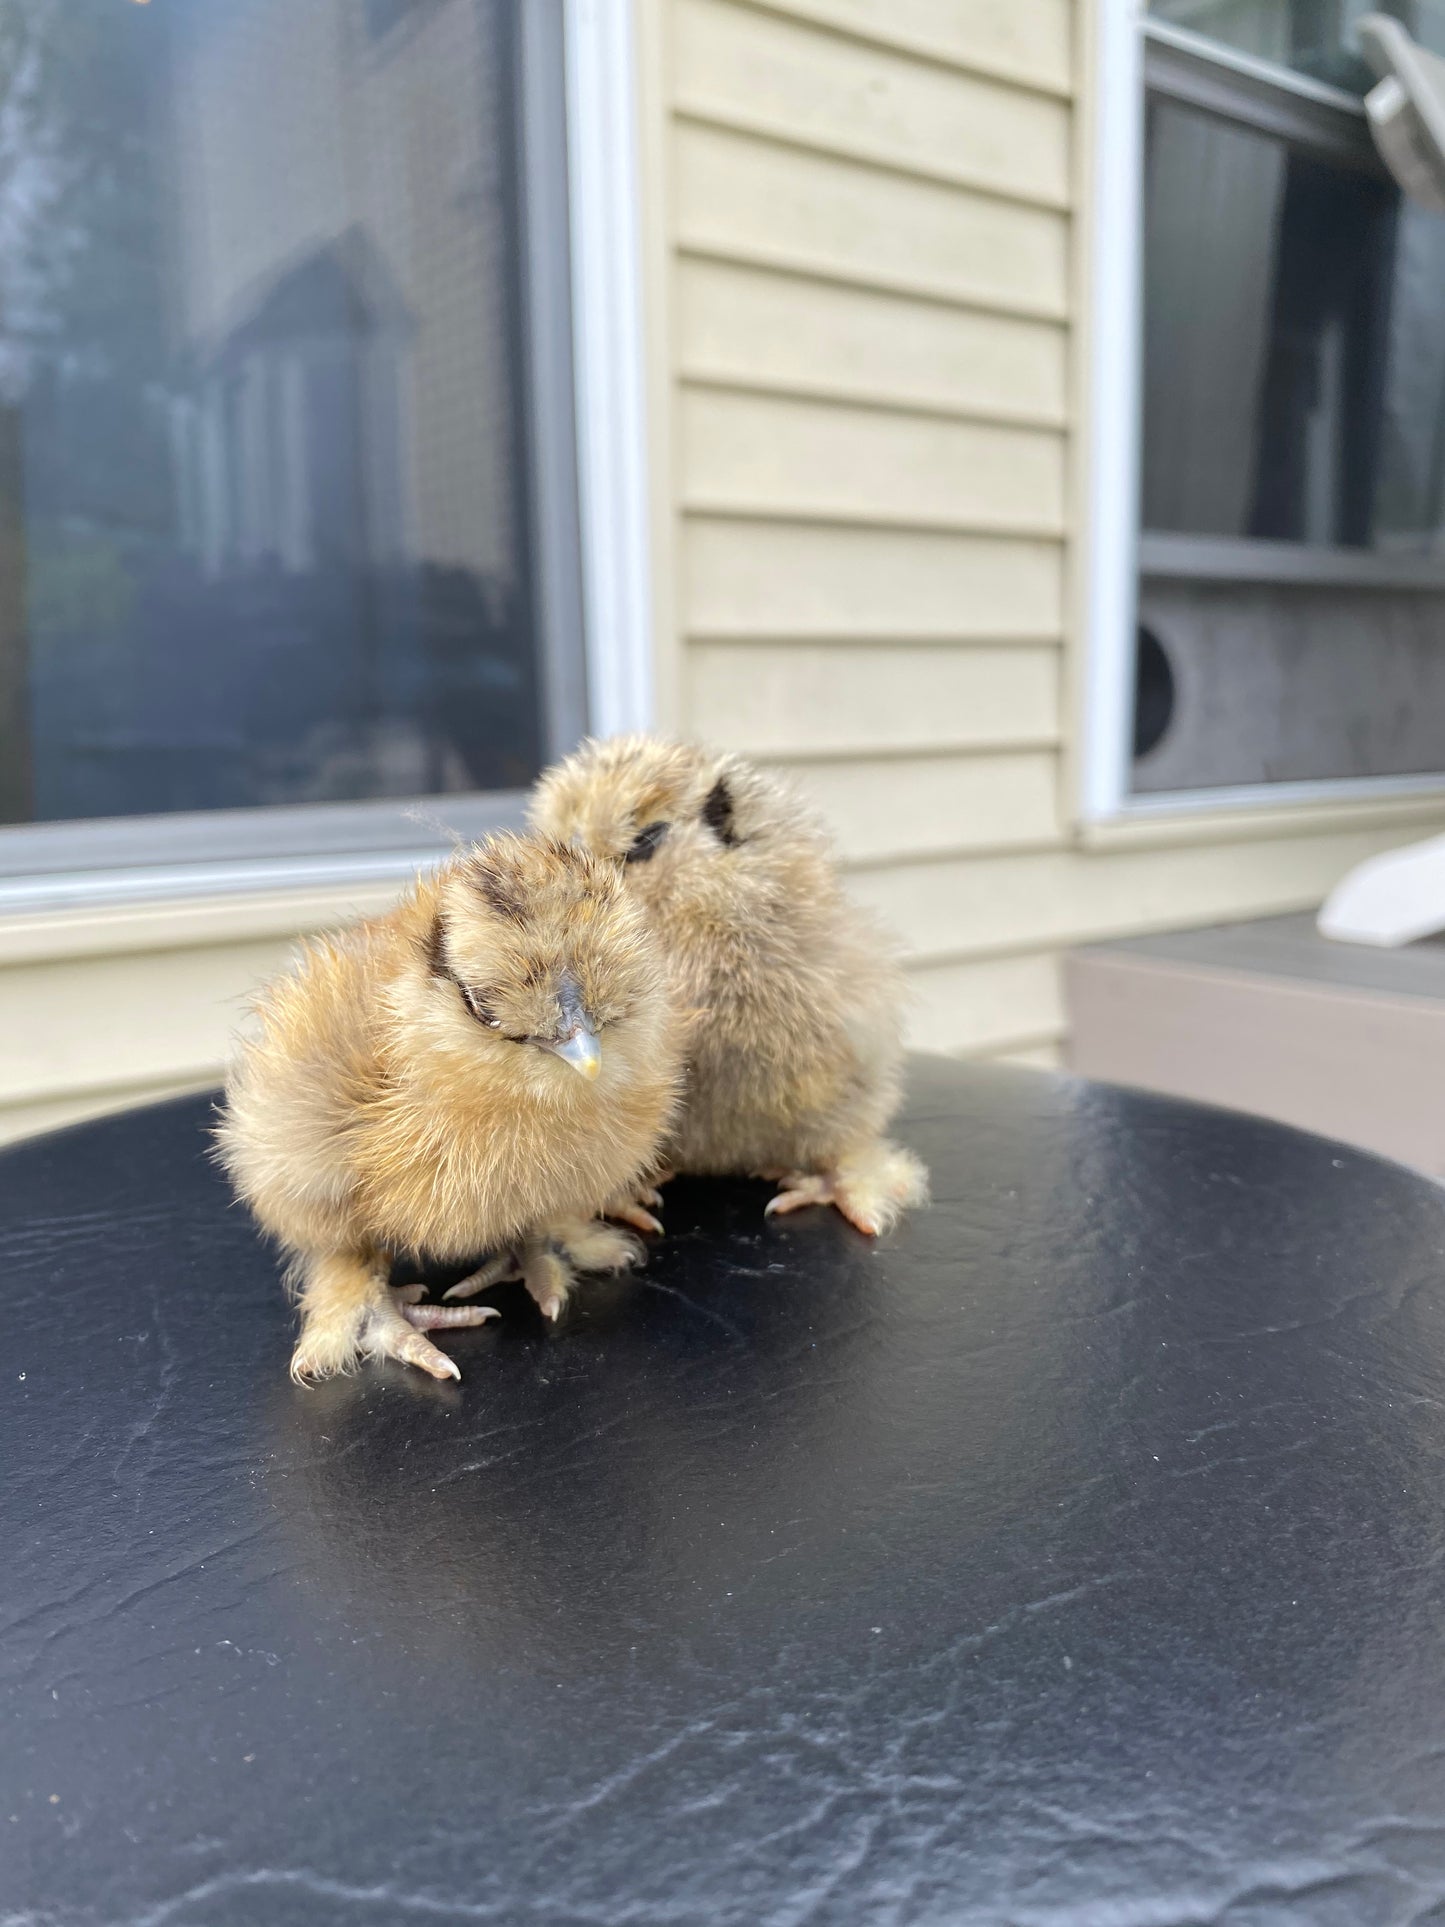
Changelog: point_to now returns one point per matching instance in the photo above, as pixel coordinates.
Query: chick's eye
(479, 1009)
(645, 843)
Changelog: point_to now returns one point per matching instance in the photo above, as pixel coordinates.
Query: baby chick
(796, 1054)
(483, 1069)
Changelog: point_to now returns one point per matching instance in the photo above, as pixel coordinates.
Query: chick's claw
(548, 1278)
(632, 1207)
(548, 1263)
(405, 1338)
(636, 1216)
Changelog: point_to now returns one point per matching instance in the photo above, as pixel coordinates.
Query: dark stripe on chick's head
(497, 892)
(436, 950)
(717, 813)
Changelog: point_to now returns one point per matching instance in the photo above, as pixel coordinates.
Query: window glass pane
(263, 469)
(1316, 37)
(1292, 593)
(1294, 359)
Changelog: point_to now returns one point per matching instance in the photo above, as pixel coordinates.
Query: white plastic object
(1407, 110)
(1391, 899)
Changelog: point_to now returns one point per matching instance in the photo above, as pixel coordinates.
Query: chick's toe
(871, 1187)
(799, 1190)
(397, 1330)
(633, 1210)
(548, 1277)
(503, 1269)
(550, 1264)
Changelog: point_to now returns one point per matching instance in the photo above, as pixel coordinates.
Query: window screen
(1292, 554)
(1294, 347)
(265, 476)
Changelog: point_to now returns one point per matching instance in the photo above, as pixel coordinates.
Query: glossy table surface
(1075, 1556)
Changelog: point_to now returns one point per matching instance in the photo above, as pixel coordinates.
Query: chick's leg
(550, 1264)
(872, 1187)
(348, 1313)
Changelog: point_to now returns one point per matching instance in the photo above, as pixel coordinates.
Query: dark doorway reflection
(263, 479)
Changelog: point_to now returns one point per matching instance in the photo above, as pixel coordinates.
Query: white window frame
(1110, 468)
(212, 853)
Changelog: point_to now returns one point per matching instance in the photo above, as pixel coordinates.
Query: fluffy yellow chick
(482, 1070)
(796, 1057)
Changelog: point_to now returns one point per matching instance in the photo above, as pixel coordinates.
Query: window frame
(1132, 52)
(583, 346)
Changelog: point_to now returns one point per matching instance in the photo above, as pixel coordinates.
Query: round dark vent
(1154, 693)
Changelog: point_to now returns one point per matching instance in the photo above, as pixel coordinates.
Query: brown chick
(483, 1069)
(796, 1056)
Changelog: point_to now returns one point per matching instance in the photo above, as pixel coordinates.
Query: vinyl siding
(101, 1010)
(872, 328)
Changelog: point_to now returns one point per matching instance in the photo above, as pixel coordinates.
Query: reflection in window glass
(1294, 358)
(262, 476)
(1316, 37)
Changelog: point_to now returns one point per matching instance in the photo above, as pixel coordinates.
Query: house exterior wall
(873, 232)
(867, 250)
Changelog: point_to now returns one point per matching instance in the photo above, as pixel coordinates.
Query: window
(289, 514)
(1277, 622)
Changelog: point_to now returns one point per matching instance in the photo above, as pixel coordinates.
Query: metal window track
(1258, 94)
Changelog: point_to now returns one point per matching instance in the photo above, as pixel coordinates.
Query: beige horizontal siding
(868, 427)
(1043, 900)
(868, 434)
(764, 455)
(761, 577)
(179, 1008)
(768, 74)
(784, 699)
(771, 331)
(985, 1005)
(750, 200)
(883, 806)
(1025, 41)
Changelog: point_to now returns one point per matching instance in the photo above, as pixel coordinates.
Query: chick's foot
(374, 1321)
(550, 1265)
(871, 1188)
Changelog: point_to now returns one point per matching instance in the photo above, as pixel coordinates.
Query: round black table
(1075, 1556)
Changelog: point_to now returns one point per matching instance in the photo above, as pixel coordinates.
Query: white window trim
(609, 361)
(1113, 389)
(1112, 385)
(609, 400)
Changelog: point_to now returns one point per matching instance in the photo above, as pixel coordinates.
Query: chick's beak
(581, 1050)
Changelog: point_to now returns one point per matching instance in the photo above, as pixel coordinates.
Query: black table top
(1075, 1556)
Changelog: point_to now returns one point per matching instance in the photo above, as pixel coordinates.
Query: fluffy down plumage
(483, 1069)
(795, 1061)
